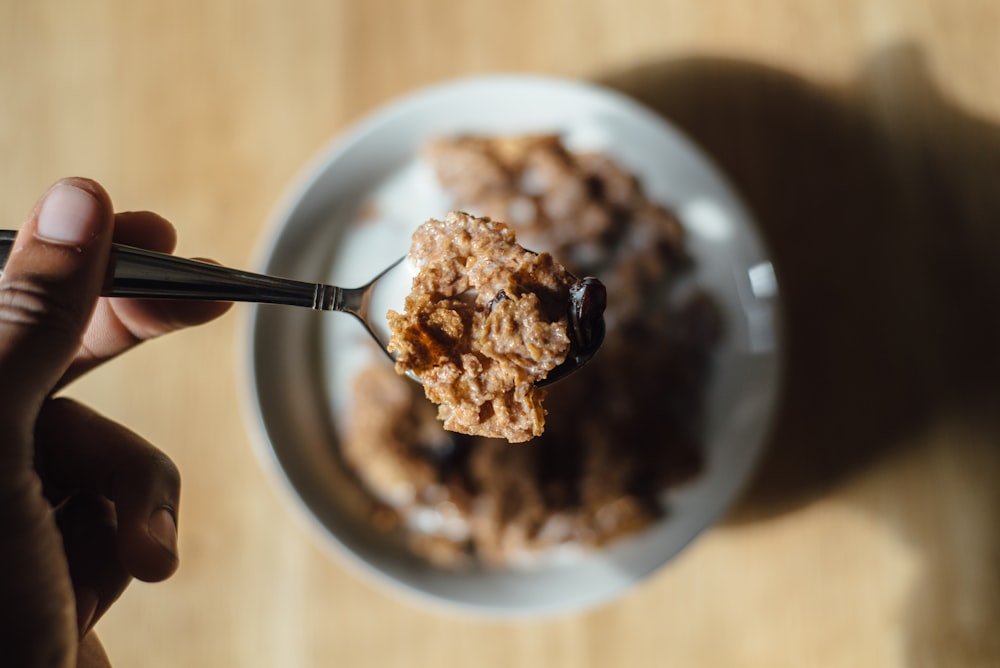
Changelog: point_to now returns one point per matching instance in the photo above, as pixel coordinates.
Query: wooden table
(865, 135)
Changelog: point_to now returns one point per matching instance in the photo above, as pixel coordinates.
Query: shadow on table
(880, 203)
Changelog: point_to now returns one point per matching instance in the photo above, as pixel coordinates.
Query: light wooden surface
(865, 135)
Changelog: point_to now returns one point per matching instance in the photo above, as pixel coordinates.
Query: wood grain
(865, 135)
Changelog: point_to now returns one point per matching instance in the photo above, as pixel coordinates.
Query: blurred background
(865, 137)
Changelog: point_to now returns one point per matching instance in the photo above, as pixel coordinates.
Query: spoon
(141, 273)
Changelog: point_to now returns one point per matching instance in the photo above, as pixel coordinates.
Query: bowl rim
(283, 213)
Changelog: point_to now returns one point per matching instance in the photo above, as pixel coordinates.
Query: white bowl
(295, 376)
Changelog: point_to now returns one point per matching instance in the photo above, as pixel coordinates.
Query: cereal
(485, 321)
(619, 434)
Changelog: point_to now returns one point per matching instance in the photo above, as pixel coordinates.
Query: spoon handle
(138, 272)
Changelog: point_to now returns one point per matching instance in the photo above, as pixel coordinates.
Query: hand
(85, 504)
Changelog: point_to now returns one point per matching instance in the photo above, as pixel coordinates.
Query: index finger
(119, 324)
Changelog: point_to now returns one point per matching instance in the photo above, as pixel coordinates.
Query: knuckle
(28, 303)
(139, 477)
(167, 470)
(155, 467)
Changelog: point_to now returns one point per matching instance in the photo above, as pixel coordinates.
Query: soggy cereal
(485, 321)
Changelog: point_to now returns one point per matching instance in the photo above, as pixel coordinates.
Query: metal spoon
(141, 273)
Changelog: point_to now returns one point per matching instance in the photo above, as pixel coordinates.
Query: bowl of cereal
(642, 449)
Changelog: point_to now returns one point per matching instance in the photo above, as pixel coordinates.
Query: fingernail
(163, 528)
(69, 215)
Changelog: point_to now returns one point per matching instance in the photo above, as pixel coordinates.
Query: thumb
(48, 290)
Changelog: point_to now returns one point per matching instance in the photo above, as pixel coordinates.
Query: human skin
(85, 504)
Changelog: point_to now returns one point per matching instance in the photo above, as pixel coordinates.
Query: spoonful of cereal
(488, 323)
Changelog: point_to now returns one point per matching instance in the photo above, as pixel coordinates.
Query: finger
(79, 451)
(89, 528)
(120, 324)
(145, 229)
(48, 290)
